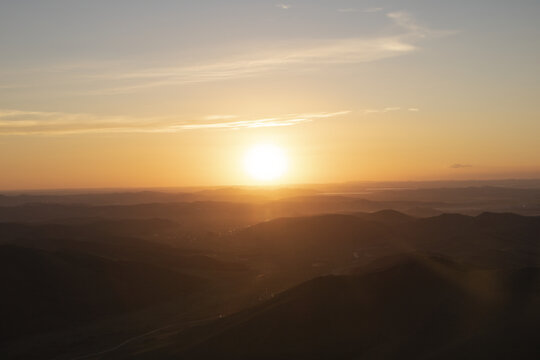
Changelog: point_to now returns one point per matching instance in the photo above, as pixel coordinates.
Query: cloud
(307, 54)
(284, 120)
(283, 6)
(460, 166)
(406, 21)
(17, 122)
(384, 110)
(388, 109)
(340, 51)
(220, 117)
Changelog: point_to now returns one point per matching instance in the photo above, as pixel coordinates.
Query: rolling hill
(417, 307)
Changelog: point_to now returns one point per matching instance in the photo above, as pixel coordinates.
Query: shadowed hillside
(157, 281)
(414, 307)
(48, 290)
(486, 240)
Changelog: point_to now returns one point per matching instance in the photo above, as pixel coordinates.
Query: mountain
(196, 216)
(338, 285)
(419, 307)
(43, 290)
(488, 239)
(132, 240)
(389, 217)
(91, 228)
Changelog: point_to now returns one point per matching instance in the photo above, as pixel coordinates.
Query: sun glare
(265, 162)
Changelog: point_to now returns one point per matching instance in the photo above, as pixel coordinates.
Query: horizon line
(256, 186)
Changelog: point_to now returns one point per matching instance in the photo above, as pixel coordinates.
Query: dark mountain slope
(298, 249)
(46, 290)
(193, 216)
(91, 229)
(314, 232)
(117, 240)
(486, 240)
(419, 308)
(389, 217)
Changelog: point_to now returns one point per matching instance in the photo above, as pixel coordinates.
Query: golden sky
(168, 93)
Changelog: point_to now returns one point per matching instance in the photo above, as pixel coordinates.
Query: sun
(265, 162)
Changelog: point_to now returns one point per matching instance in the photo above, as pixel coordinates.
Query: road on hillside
(187, 324)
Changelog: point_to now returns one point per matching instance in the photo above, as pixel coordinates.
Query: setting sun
(265, 162)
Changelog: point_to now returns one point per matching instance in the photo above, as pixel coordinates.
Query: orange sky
(174, 94)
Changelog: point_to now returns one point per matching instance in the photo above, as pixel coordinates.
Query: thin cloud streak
(388, 109)
(283, 6)
(286, 120)
(460, 166)
(406, 21)
(326, 52)
(220, 117)
(385, 110)
(316, 53)
(17, 122)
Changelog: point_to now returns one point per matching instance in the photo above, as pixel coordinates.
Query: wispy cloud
(283, 6)
(325, 52)
(384, 110)
(283, 120)
(17, 122)
(220, 117)
(389, 109)
(406, 21)
(460, 166)
(294, 53)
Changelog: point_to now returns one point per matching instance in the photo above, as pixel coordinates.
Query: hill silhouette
(141, 241)
(47, 290)
(486, 240)
(417, 307)
(347, 285)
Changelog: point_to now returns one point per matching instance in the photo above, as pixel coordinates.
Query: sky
(134, 93)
